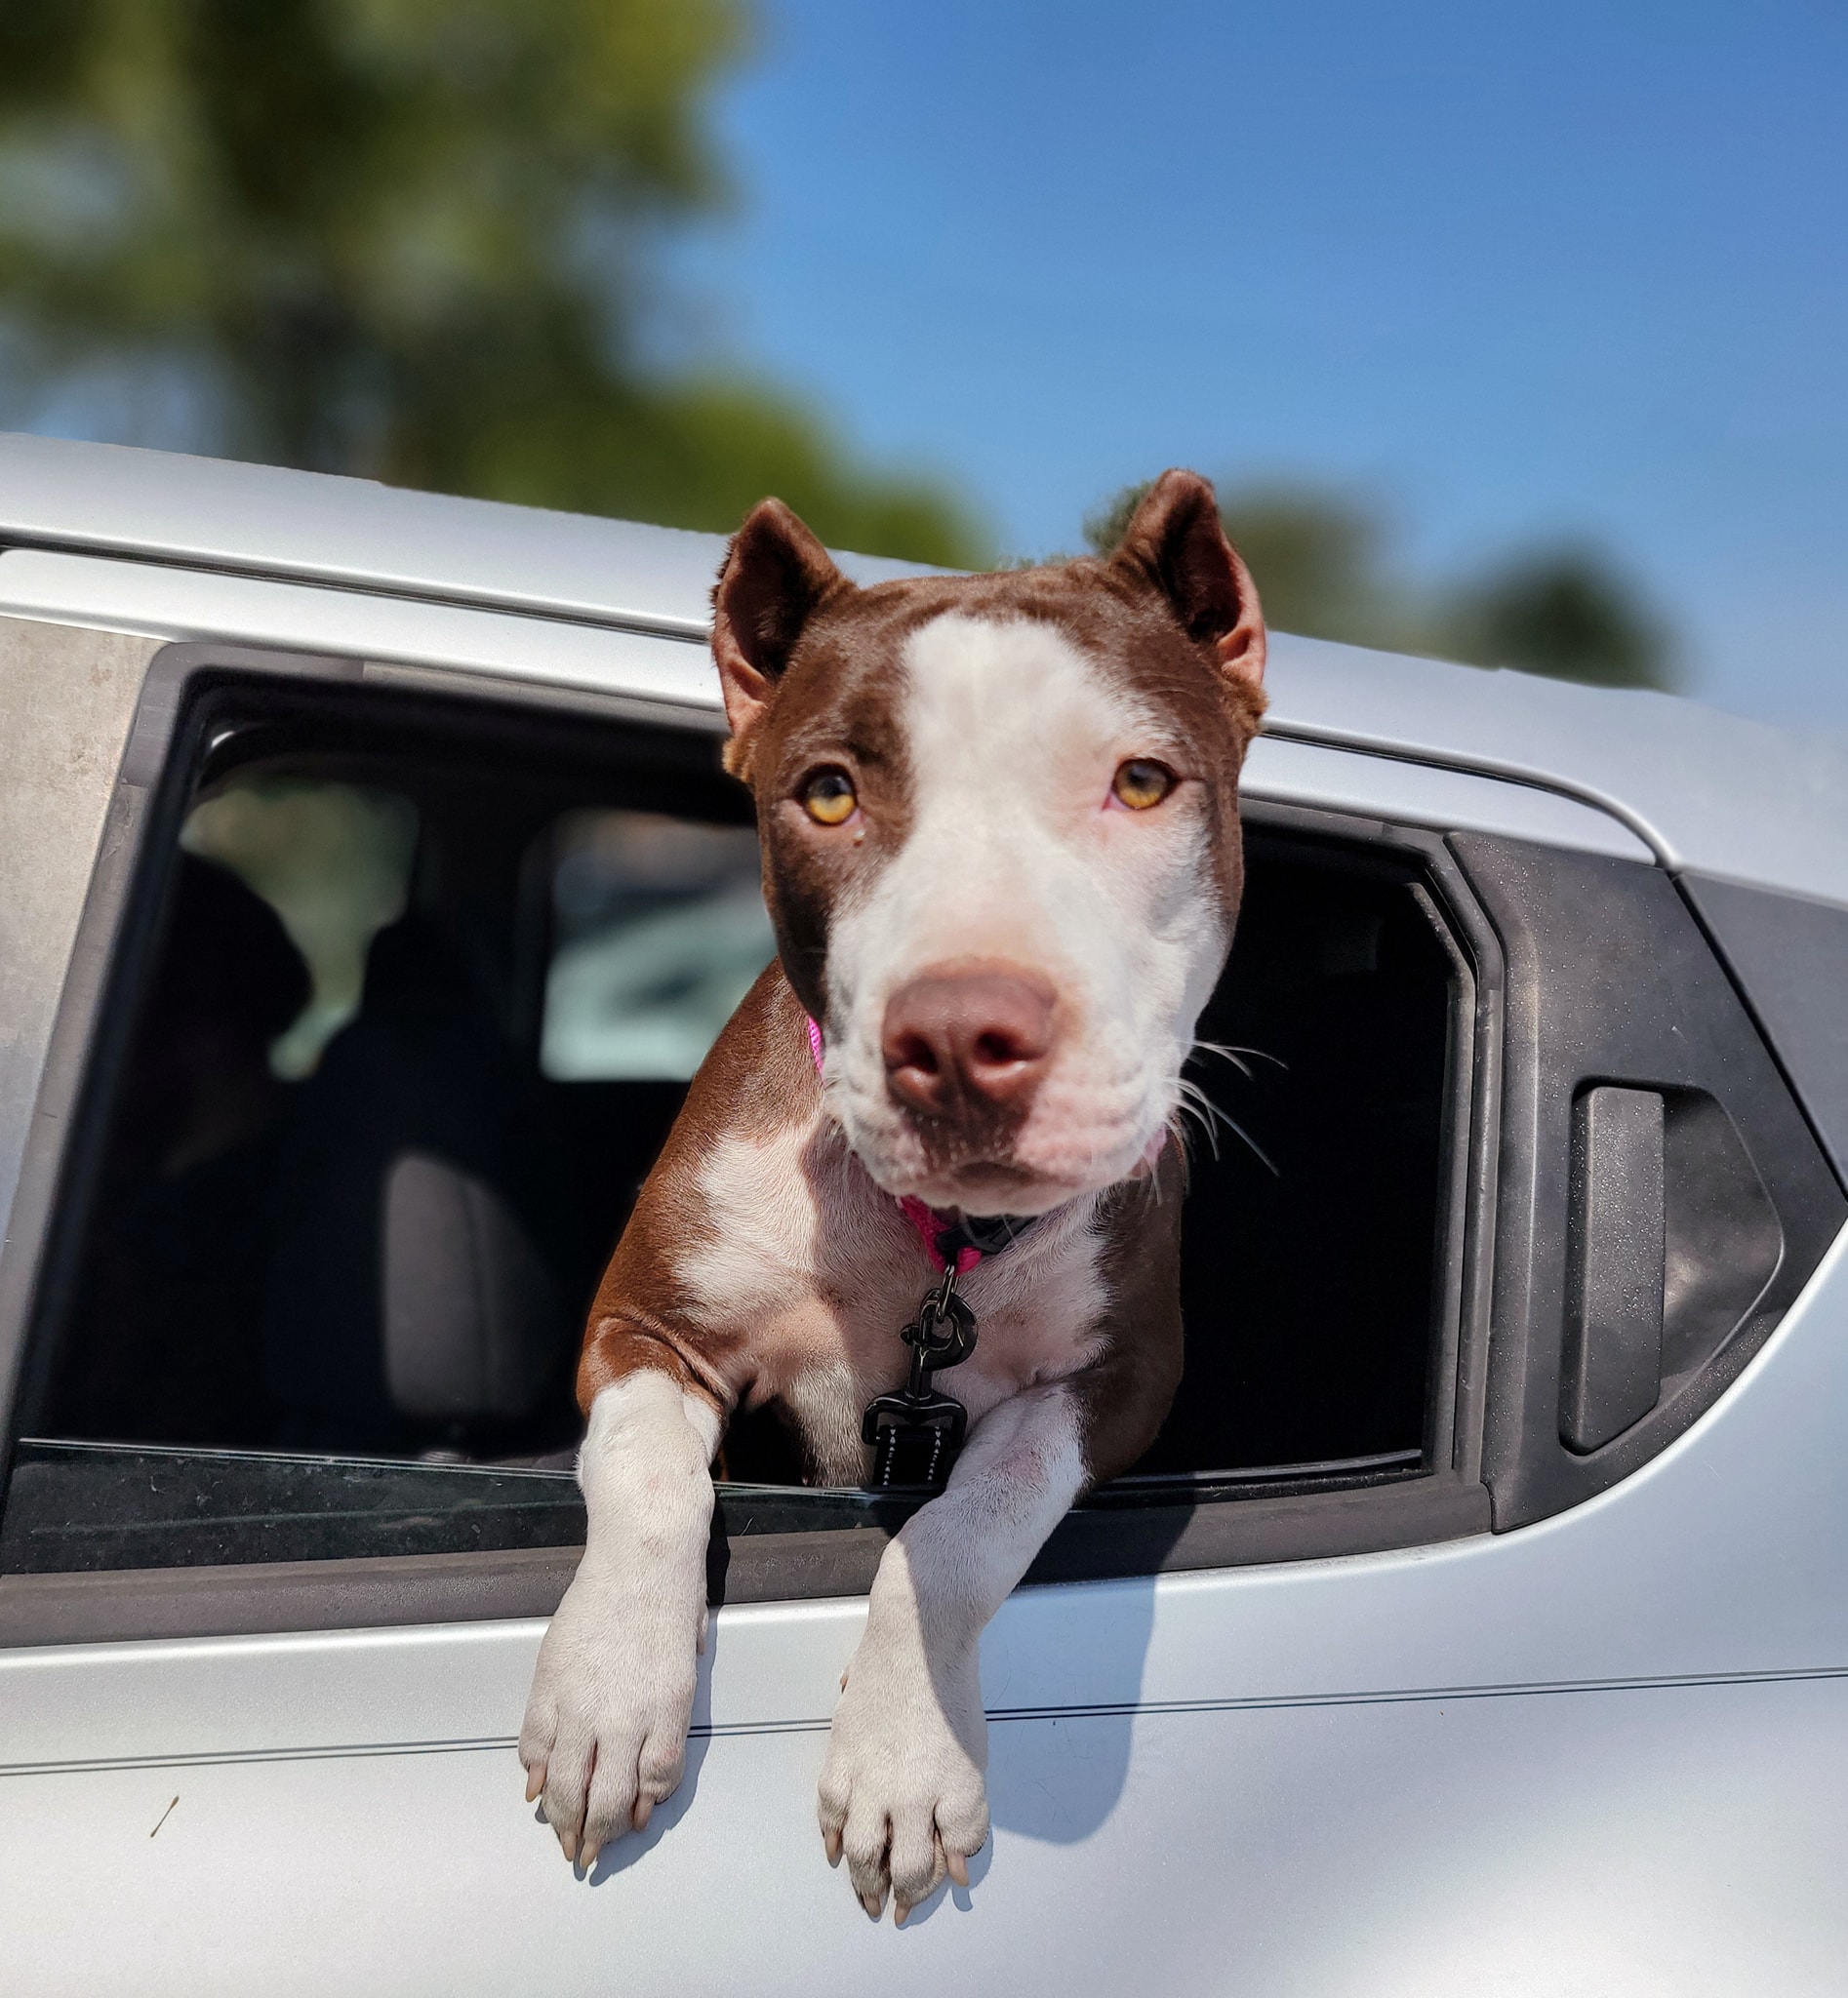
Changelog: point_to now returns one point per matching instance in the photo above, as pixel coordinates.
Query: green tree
(1320, 564)
(417, 239)
(1563, 612)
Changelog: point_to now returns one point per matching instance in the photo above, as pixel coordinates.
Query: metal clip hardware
(916, 1432)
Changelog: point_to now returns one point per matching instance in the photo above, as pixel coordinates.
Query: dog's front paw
(605, 1737)
(902, 1790)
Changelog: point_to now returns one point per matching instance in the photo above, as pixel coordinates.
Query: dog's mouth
(1007, 1180)
(991, 1186)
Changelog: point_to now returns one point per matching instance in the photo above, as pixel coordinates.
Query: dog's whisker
(1195, 1104)
(1203, 1106)
(1233, 1053)
(1263, 1157)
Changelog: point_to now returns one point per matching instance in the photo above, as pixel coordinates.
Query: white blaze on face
(1018, 852)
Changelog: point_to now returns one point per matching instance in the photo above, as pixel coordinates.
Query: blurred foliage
(1320, 561)
(1563, 612)
(413, 239)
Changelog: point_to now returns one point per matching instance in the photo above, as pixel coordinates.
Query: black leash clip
(943, 1333)
(916, 1433)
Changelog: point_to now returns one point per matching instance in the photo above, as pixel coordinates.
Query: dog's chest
(809, 1271)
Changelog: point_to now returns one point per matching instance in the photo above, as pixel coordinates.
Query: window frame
(1198, 1524)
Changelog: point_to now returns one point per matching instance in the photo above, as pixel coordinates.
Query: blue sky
(1519, 272)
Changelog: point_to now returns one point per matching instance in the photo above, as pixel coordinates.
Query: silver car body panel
(256, 520)
(67, 700)
(507, 651)
(519, 653)
(1602, 1753)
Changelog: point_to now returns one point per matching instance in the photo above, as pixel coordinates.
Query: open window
(406, 995)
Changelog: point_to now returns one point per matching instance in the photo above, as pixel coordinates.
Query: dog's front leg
(606, 1725)
(902, 1790)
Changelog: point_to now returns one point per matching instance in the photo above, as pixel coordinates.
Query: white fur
(758, 1251)
(606, 1725)
(902, 1790)
(823, 1269)
(1019, 852)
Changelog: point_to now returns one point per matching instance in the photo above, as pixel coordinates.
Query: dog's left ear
(775, 576)
(1175, 542)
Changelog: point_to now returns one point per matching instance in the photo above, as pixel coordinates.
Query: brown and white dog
(1001, 851)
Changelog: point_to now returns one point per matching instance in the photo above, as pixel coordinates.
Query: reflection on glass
(662, 930)
(334, 862)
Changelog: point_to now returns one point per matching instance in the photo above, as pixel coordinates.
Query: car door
(1441, 1639)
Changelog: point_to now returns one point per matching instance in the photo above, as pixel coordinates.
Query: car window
(420, 996)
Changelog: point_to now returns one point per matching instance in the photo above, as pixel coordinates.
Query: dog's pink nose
(961, 1041)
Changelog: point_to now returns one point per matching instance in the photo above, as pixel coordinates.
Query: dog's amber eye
(829, 797)
(1140, 783)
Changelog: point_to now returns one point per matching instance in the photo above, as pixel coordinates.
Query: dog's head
(1000, 828)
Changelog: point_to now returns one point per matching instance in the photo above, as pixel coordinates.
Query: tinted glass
(423, 990)
(661, 929)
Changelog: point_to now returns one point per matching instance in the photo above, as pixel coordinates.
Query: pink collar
(924, 1219)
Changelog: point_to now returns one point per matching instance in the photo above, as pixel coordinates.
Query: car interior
(409, 994)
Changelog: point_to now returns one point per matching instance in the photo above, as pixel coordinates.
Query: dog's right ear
(775, 576)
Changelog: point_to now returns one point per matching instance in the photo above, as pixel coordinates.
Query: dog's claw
(873, 1903)
(831, 1846)
(534, 1783)
(957, 1864)
(644, 1810)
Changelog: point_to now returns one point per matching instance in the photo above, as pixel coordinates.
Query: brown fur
(758, 1077)
(1126, 1394)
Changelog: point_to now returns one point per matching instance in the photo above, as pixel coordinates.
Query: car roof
(1710, 790)
(260, 520)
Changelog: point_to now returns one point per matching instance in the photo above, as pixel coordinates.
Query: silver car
(369, 890)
